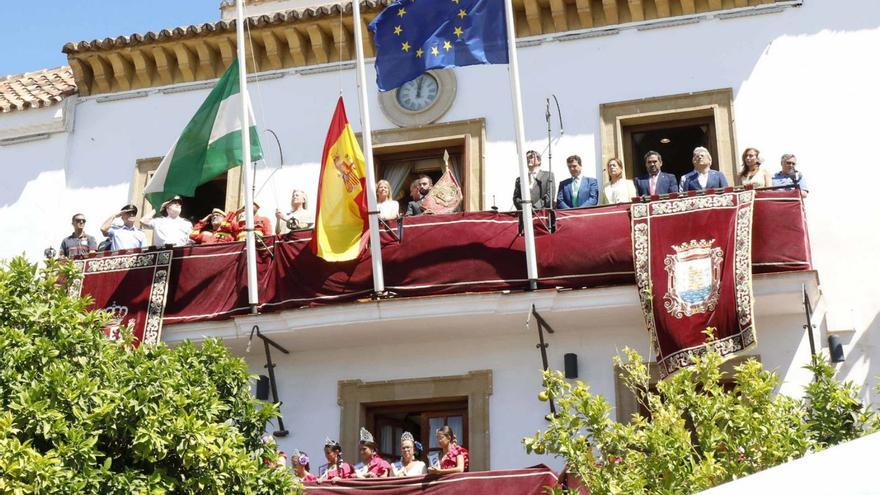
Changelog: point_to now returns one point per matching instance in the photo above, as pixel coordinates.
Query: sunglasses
(79, 220)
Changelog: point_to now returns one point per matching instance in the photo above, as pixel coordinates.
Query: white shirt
(122, 237)
(167, 230)
(389, 209)
(304, 217)
(415, 468)
(703, 178)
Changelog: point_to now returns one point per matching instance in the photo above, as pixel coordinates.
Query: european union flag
(413, 36)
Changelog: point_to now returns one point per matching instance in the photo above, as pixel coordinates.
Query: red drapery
(446, 254)
(529, 481)
(692, 258)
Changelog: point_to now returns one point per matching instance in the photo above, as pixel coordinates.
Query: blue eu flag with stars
(413, 36)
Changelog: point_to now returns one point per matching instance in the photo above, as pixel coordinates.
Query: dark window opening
(388, 422)
(208, 196)
(674, 140)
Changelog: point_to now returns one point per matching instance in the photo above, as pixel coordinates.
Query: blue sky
(35, 30)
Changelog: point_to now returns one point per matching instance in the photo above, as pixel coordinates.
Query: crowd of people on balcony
(577, 191)
(452, 458)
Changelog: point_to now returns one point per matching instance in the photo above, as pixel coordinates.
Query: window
(401, 155)
(389, 407)
(422, 419)
(222, 192)
(673, 126)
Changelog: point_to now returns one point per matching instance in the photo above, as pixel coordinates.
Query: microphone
(547, 110)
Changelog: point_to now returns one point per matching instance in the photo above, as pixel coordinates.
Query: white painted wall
(308, 380)
(804, 81)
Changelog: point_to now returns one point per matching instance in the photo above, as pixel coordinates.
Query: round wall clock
(421, 101)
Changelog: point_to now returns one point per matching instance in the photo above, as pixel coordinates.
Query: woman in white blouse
(618, 189)
(409, 452)
(752, 173)
(298, 218)
(389, 209)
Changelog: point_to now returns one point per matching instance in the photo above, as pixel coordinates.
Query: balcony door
(387, 422)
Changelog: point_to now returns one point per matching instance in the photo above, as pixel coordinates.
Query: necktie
(531, 179)
(652, 188)
(575, 186)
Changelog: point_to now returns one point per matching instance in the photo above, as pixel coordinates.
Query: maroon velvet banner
(131, 288)
(450, 254)
(692, 258)
(530, 481)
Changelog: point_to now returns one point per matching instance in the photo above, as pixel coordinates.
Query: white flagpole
(516, 95)
(253, 289)
(366, 128)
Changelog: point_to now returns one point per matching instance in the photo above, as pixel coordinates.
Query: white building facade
(785, 77)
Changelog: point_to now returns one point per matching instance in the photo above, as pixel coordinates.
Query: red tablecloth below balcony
(453, 254)
(530, 481)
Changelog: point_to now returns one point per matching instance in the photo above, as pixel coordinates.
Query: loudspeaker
(571, 365)
(835, 349)
(262, 387)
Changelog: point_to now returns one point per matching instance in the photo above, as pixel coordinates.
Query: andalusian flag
(341, 216)
(209, 145)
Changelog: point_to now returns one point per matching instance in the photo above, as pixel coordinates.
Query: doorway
(207, 196)
(674, 140)
(387, 422)
(401, 168)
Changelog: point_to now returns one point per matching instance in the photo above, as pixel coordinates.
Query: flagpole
(367, 133)
(253, 289)
(516, 95)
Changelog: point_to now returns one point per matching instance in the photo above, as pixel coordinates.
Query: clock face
(418, 94)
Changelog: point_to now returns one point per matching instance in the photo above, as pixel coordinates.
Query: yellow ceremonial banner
(341, 216)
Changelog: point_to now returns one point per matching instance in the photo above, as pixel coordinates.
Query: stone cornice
(321, 35)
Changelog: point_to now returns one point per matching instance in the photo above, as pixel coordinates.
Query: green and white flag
(209, 145)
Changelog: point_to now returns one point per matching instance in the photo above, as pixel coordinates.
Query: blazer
(588, 193)
(414, 208)
(666, 183)
(690, 181)
(542, 191)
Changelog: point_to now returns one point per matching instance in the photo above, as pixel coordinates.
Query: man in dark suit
(702, 177)
(424, 184)
(655, 181)
(577, 191)
(540, 184)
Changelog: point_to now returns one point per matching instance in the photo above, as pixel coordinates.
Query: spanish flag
(341, 215)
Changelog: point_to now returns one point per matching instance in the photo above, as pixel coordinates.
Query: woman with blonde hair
(298, 218)
(752, 173)
(389, 209)
(618, 189)
(410, 465)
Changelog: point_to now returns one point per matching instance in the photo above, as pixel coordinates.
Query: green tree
(697, 434)
(82, 414)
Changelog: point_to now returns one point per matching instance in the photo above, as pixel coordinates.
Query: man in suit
(577, 191)
(702, 177)
(540, 184)
(425, 184)
(655, 181)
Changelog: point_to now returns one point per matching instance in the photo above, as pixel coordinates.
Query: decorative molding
(61, 121)
(321, 35)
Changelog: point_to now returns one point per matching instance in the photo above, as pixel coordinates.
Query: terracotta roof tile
(36, 89)
(197, 30)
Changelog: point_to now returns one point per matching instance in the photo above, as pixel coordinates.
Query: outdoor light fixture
(49, 252)
(571, 365)
(835, 349)
(262, 392)
(665, 141)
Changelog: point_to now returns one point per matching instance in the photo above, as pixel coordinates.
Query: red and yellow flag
(341, 215)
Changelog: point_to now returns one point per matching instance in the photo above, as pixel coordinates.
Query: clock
(418, 94)
(421, 101)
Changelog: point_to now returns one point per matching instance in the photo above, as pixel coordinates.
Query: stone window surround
(355, 395)
(234, 190)
(471, 134)
(717, 104)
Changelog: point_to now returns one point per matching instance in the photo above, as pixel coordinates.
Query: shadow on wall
(863, 350)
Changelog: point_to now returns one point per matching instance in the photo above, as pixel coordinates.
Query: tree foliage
(81, 414)
(698, 434)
